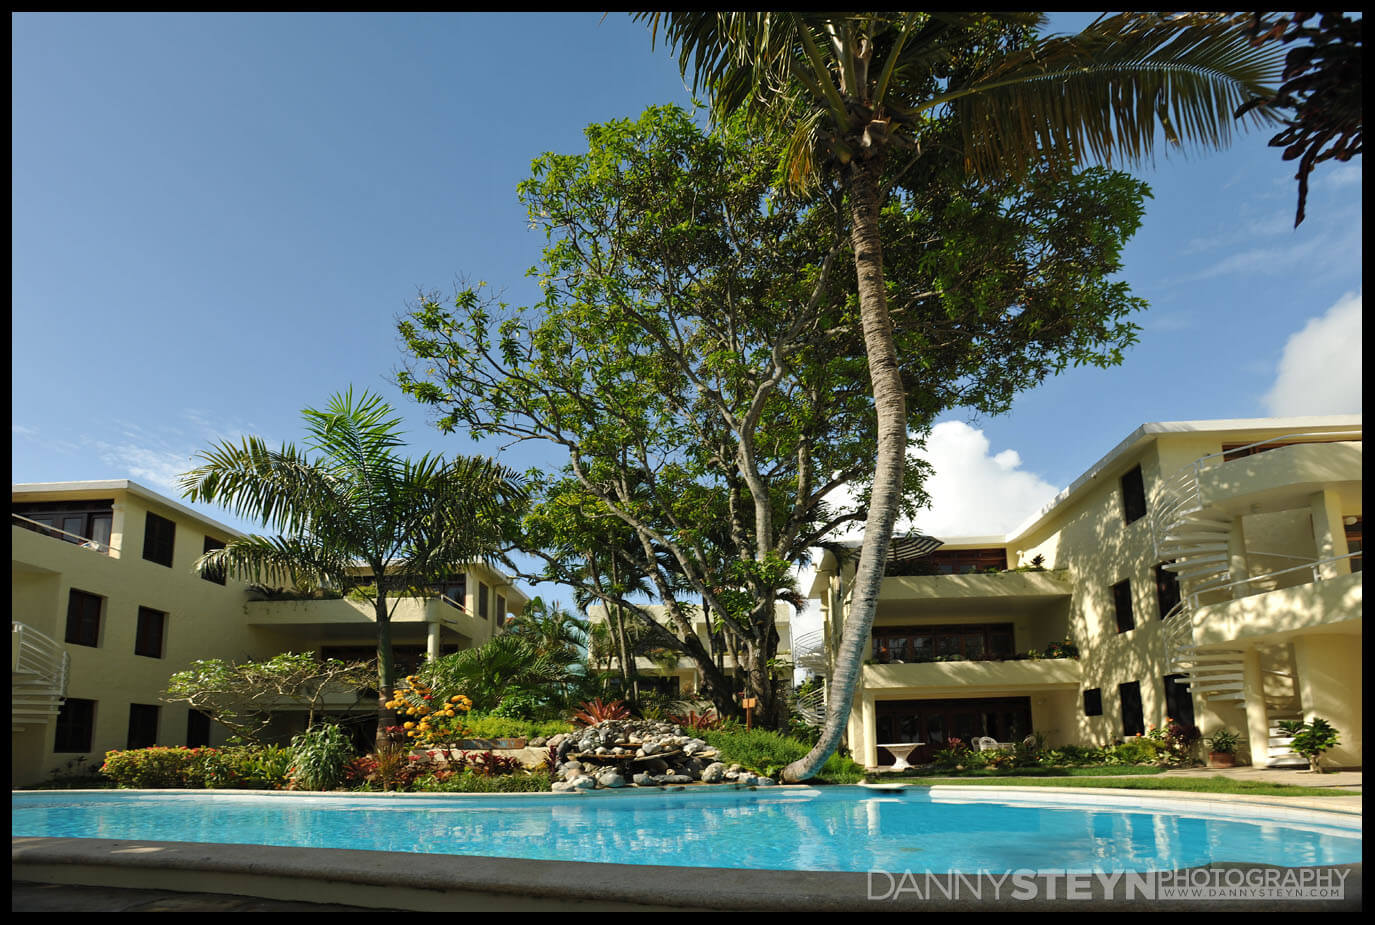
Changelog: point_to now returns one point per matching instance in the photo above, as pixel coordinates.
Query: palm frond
(1109, 93)
(281, 488)
(304, 564)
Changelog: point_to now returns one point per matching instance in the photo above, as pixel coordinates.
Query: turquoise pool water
(835, 828)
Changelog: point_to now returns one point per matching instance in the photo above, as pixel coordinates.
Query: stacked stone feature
(620, 752)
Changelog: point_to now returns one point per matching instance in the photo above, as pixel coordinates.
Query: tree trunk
(386, 669)
(890, 409)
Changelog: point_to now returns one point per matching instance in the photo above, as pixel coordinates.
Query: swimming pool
(800, 829)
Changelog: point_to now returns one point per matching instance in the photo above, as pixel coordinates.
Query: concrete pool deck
(113, 875)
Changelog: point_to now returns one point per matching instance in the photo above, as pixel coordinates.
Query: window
(1166, 589)
(501, 607)
(951, 562)
(483, 606)
(1122, 604)
(1133, 495)
(159, 534)
(215, 575)
(197, 729)
(75, 723)
(455, 591)
(1353, 540)
(152, 626)
(1179, 702)
(143, 725)
(83, 618)
(77, 520)
(925, 643)
(1133, 723)
(1093, 702)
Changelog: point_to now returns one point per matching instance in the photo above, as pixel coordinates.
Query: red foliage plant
(593, 712)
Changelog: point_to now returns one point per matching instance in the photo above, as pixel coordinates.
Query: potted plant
(1311, 739)
(1222, 748)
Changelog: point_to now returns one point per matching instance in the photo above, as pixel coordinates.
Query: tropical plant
(354, 503)
(551, 630)
(509, 666)
(595, 711)
(1322, 89)
(1225, 741)
(1311, 739)
(320, 756)
(241, 696)
(698, 357)
(861, 89)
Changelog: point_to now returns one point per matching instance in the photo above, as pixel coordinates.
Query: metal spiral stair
(809, 652)
(38, 677)
(1196, 540)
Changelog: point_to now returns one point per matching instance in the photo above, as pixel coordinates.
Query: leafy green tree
(550, 628)
(862, 92)
(505, 667)
(241, 696)
(699, 357)
(354, 502)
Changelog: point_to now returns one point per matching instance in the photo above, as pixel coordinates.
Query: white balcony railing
(85, 542)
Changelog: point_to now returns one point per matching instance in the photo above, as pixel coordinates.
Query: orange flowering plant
(430, 719)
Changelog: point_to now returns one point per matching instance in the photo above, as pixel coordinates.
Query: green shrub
(151, 768)
(768, 752)
(472, 781)
(319, 757)
(492, 726)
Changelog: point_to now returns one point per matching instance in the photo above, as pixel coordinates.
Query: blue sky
(217, 218)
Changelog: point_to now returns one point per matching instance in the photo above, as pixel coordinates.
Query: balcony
(37, 548)
(973, 678)
(1332, 605)
(341, 617)
(1282, 478)
(993, 593)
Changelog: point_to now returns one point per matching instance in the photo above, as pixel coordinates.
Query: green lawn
(1216, 784)
(1002, 773)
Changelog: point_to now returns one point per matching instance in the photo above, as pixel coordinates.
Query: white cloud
(972, 492)
(160, 468)
(1320, 369)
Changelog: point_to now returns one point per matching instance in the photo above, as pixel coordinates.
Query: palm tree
(355, 503)
(551, 629)
(862, 90)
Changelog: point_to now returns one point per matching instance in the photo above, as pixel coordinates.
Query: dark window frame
(90, 512)
(216, 575)
(83, 628)
(143, 725)
(197, 729)
(1179, 700)
(1133, 484)
(1093, 701)
(75, 726)
(1167, 590)
(1122, 607)
(159, 542)
(484, 606)
(150, 637)
(948, 632)
(1133, 714)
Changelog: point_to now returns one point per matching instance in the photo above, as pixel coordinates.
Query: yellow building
(1207, 571)
(682, 678)
(106, 608)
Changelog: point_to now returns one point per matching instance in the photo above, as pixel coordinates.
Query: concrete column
(1329, 683)
(863, 729)
(1329, 534)
(1257, 717)
(432, 641)
(1238, 566)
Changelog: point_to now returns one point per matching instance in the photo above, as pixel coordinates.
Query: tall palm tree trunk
(386, 669)
(890, 407)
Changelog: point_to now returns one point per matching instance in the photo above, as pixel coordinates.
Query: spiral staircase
(809, 652)
(1192, 540)
(38, 677)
